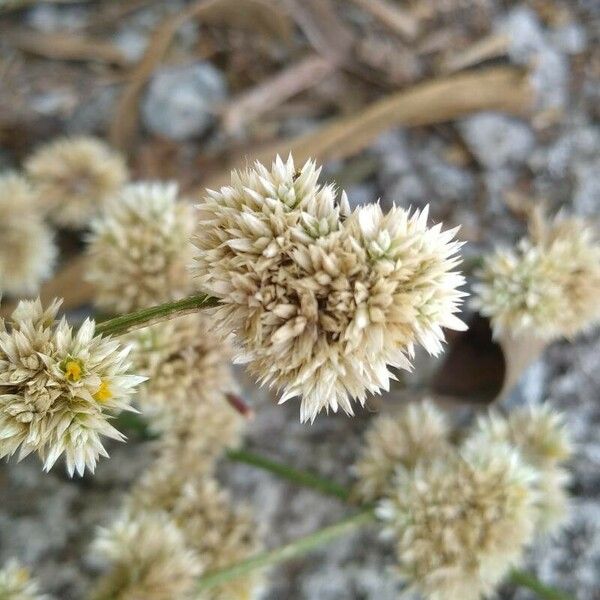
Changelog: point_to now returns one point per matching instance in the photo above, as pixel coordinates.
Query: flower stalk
(297, 476)
(291, 550)
(155, 314)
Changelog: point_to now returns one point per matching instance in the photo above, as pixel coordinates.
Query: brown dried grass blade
(64, 46)
(443, 99)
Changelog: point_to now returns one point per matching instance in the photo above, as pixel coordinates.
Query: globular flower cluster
(323, 301)
(74, 177)
(460, 523)
(185, 396)
(58, 388)
(463, 513)
(139, 248)
(420, 432)
(148, 559)
(220, 533)
(547, 286)
(27, 250)
(16, 583)
(199, 516)
(541, 436)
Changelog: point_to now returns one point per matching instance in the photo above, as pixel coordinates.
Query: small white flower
(74, 177)
(58, 388)
(16, 583)
(547, 286)
(27, 250)
(461, 521)
(140, 249)
(148, 559)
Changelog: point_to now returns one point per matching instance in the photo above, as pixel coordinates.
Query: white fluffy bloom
(220, 533)
(74, 177)
(140, 249)
(148, 557)
(539, 433)
(547, 286)
(59, 388)
(16, 583)
(461, 521)
(419, 432)
(27, 250)
(322, 305)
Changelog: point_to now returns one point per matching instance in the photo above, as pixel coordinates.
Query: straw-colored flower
(419, 432)
(140, 249)
(189, 379)
(322, 305)
(218, 532)
(16, 583)
(547, 286)
(462, 521)
(58, 388)
(539, 433)
(74, 177)
(27, 250)
(148, 557)
(221, 534)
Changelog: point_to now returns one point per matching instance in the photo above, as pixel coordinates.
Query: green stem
(148, 316)
(529, 581)
(303, 478)
(286, 552)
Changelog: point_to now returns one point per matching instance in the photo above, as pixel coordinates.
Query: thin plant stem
(529, 581)
(148, 316)
(297, 476)
(298, 547)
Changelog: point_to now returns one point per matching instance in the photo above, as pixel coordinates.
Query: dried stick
(392, 16)
(273, 92)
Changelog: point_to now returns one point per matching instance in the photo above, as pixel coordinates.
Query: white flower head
(59, 388)
(419, 432)
(220, 533)
(547, 286)
(27, 250)
(540, 435)
(461, 521)
(16, 583)
(140, 249)
(148, 558)
(322, 303)
(74, 177)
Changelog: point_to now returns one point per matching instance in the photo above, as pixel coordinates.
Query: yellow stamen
(73, 370)
(103, 394)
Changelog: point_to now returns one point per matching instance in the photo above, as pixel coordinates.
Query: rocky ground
(465, 170)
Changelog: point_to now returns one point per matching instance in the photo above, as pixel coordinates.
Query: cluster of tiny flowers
(139, 248)
(542, 438)
(461, 522)
(419, 432)
(219, 533)
(27, 250)
(16, 583)
(546, 286)
(148, 559)
(59, 388)
(323, 301)
(74, 177)
(463, 514)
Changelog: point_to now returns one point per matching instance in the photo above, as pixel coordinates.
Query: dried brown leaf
(65, 46)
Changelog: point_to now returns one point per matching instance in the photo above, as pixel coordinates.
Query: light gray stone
(181, 102)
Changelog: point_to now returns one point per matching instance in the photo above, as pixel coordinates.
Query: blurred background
(480, 108)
